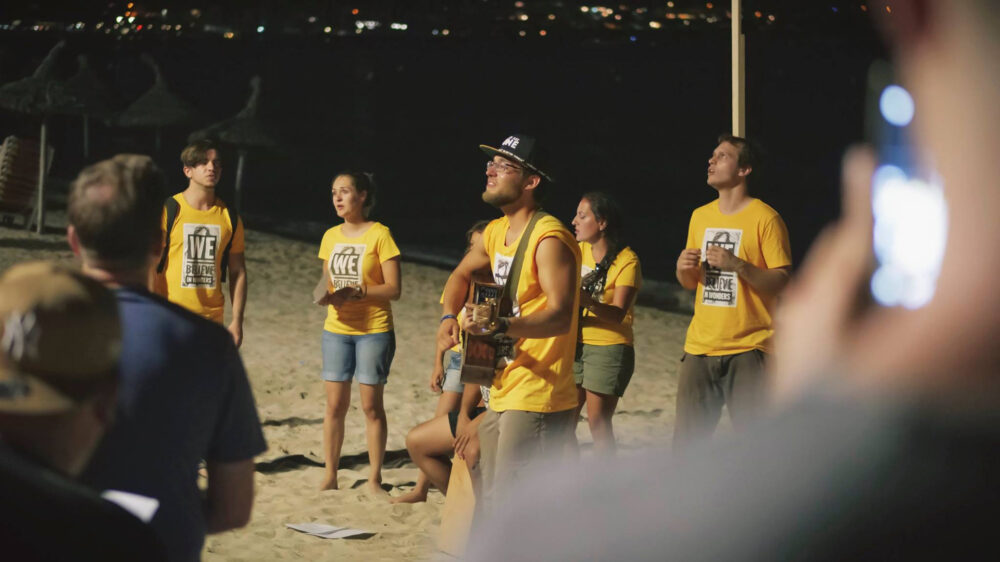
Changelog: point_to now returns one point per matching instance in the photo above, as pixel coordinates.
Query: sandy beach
(281, 351)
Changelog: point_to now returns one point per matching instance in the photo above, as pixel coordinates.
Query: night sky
(637, 119)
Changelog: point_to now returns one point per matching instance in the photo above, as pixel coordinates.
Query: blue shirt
(183, 397)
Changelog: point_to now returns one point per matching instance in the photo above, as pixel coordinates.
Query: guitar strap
(502, 345)
(509, 292)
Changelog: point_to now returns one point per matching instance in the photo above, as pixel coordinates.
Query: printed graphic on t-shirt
(501, 268)
(345, 265)
(201, 242)
(501, 271)
(721, 287)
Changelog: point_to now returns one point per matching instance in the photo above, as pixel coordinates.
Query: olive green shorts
(604, 369)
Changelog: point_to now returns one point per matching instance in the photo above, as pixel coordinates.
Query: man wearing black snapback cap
(533, 398)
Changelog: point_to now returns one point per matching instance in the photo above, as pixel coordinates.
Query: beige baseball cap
(60, 338)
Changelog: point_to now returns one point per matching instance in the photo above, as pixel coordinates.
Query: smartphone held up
(908, 204)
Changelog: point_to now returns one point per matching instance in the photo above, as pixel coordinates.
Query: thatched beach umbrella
(39, 94)
(158, 107)
(244, 131)
(92, 97)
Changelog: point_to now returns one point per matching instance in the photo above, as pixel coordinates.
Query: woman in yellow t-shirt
(360, 277)
(605, 356)
(431, 443)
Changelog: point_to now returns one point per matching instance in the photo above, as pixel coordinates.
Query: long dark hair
(363, 182)
(606, 209)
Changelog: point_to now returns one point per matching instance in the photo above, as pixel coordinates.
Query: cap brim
(490, 151)
(21, 393)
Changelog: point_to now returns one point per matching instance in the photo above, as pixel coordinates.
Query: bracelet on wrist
(501, 326)
(447, 316)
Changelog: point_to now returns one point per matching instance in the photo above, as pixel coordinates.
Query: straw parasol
(92, 97)
(244, 131)
(158, 107)
(44, 95)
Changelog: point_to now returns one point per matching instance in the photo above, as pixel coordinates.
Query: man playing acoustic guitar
(532, 403)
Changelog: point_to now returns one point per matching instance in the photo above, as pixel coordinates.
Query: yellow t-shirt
(355, 261)
(194, 259)
(540, 378)
(729, 316)
(624, 272)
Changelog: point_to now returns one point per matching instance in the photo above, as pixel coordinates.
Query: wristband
(502, 325)
(447, 316)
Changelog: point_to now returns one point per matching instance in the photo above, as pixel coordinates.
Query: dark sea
(636, 120)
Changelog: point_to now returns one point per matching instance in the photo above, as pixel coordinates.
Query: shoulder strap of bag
(234, 219)
(173, 208)
(510, 287)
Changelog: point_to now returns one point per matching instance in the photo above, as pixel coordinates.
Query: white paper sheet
(143, 507)
(325, 531)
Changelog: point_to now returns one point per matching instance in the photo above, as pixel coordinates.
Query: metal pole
(239, 182)
(739, 70)
(42, 157)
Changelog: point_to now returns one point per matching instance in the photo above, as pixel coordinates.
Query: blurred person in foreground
(884, 443)
(60, 338)
(184, 396)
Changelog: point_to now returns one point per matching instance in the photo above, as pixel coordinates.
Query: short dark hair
(196, 153)
(748, 153)
(118, 228)
(363, 182)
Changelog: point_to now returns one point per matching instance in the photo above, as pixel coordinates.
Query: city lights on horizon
(612, 21)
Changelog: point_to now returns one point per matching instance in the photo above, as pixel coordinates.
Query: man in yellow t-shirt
(737, 258)
(198, 237)
(533, 398)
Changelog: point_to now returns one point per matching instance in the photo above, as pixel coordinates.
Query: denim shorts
(452, 372)
(366, 357)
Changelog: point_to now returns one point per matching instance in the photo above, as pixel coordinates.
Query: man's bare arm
(763, 280)
(689, 268)
(237, 294)
(456, 289)
(229, 497)
(558, 272)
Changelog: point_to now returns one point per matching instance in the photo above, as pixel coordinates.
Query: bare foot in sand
(415, 495)
(374, 487)
(329, 483)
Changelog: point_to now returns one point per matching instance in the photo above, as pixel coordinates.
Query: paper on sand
(142, 507)
(325, 531)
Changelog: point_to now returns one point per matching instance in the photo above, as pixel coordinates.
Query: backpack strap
(234, 219)
(173, 208)
(510, 287)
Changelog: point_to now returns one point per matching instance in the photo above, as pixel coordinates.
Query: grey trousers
(511, 442)
(707, 383)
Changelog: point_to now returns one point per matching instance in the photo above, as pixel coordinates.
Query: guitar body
(479, 352)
